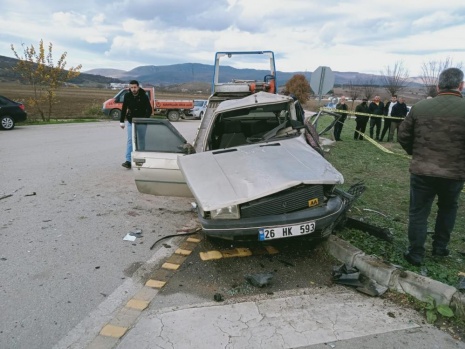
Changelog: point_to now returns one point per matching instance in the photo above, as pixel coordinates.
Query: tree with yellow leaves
(38, 69)
(299, 86)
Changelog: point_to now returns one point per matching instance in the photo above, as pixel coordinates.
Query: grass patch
(385, 203)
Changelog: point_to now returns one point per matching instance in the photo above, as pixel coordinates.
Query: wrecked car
(255, 169)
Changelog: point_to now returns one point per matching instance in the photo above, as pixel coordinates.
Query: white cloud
(359, 35)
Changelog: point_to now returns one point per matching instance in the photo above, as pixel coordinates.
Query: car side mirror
(187, 148)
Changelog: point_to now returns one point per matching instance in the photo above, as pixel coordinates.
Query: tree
(395, 78)
(430, 74)
(299, 86)
(39, 70)
(354, 90)
(368, 87)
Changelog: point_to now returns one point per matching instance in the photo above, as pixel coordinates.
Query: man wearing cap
(361, 120)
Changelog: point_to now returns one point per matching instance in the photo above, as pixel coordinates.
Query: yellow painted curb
(209, 255)
(193, 240)
(113, 331)
(170, 266)
(237, 252)
(137, 304)
(183, 252)
(155, 283)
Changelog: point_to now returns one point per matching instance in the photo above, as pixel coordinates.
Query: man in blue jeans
(434, 134)
(136, 104)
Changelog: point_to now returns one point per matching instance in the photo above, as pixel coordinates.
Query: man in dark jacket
(376, 107)
(136, 104)
(434, 134)
(361, 120)
(340, 123)
(399, 111)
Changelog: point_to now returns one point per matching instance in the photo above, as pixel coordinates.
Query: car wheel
(173, 115)
(201, 115)
(115, 114)
(7, 123)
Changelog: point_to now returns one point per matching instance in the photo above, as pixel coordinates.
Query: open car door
(156, 147)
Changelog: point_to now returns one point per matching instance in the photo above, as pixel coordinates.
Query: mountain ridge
(184, 73)
(197, 72)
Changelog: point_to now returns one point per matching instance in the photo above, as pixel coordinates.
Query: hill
(7, 74)
(196, 72)
(177, 76)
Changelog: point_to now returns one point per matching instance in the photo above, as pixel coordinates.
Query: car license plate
(286, 231)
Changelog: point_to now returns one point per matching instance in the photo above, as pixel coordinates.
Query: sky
(365, 36)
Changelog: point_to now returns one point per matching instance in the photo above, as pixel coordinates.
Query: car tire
(115, 114)
(173, 115)
(201, 115)
(7, 123)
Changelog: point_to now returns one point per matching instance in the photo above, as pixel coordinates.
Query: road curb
(418, 286)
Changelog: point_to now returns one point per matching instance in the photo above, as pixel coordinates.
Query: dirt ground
(77, 102)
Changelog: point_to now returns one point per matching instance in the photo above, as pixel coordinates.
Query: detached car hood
(234, 176)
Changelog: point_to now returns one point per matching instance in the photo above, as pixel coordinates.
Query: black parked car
(11, 112)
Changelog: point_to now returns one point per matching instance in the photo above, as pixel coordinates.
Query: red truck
(173, 109)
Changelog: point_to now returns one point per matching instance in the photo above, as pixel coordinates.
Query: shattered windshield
(252, 124)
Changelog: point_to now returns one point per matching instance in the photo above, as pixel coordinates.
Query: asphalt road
(62, 251)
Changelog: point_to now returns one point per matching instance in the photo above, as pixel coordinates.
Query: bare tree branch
(430, 74)
(395, 78)
(369, 86)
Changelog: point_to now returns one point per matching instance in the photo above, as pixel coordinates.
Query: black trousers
(338, 127)
(375, 122)
(361, 125)
(386, 128)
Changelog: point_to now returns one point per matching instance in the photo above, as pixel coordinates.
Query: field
(76, 102)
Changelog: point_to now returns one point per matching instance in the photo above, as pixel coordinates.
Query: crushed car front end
(310, 210)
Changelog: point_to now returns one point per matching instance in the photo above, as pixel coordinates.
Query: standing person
(433, 132)
(361, 120)
(399, 110)
(376, 107)
(387, 113)
(340, 123)
(136, 104)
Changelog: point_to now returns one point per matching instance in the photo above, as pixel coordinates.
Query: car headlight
(230, 212)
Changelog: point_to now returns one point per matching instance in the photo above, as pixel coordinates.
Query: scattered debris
(372, 288)
(391, 314)
(260, 280)
(332, 345)
(32, 194)
(345, 275)
(5, 196)
(129, 237)
(350, 276)
(136, 233)
(218, 297)
(370, 210)
(381, 233)
(132, 235)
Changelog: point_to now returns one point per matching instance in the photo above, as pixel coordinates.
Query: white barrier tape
(379, 146)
